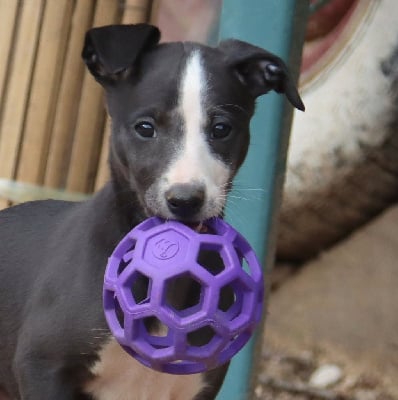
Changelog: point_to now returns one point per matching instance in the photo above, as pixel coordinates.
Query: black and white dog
(180, 117)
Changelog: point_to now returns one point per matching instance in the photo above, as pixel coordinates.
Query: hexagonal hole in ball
(147, 341)
(119, 312)
(210, 259)
(183, 293)
(140, 288)
(243, 262)
(201, 337)
(157, 332)
(126, 259)
(230, 301)
(204, 344)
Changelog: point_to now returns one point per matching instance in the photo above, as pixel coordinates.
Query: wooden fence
(53, 127)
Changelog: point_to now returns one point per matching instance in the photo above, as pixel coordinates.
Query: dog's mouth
(199, 227)
(185, 203)
(194, 220)
(197, 221)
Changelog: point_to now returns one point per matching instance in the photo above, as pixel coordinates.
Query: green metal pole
(278, 26)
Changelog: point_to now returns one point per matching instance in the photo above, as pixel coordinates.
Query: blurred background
(332, 327)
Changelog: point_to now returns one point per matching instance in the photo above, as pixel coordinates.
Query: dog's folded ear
(259, 70)
(111, 51)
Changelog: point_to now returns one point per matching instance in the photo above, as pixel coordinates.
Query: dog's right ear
(110, 52)
(260, 71)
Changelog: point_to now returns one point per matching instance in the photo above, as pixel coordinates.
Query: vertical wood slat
(103, 173)
(135, 11)
(153, 17)
(19, 80)
(68, 100)
(45, 85)
(89, 127)
(42, 93)
(8, 13)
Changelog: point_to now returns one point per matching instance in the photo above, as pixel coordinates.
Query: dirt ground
(286, 376)
(340, 310)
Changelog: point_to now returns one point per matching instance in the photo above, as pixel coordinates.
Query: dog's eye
(220, 131)
(145, 129)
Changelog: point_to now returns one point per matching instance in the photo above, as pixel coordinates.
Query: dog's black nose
(185, 200)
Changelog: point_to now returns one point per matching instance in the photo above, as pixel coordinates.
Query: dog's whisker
(242, 186)
(235, 215)
(240, 198)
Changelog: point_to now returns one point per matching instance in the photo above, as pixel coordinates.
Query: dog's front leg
(42, 379)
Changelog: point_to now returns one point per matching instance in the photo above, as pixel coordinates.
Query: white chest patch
(118, 376)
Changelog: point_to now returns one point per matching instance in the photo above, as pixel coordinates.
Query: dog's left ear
(260, 71)
(110, 52)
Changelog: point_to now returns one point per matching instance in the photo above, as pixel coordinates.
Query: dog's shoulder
(24, 213)
(28, 222)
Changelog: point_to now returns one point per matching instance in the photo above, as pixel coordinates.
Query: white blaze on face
(194, 161)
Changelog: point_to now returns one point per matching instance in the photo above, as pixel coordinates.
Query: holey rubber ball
(181, 301)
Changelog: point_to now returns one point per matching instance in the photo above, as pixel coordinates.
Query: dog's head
(180, 114)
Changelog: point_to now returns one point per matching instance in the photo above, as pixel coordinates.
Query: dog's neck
(126, 204)
(115, 210)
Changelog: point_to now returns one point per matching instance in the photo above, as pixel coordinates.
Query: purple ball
(157, 256)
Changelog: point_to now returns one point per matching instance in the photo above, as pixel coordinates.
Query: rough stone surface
(326, 375)
(344, 305)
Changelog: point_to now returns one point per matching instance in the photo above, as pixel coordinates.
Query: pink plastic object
(156, 260)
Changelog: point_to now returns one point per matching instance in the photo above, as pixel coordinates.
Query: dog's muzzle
(185, 201)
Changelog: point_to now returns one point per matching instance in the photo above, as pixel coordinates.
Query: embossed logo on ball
(165, 249)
